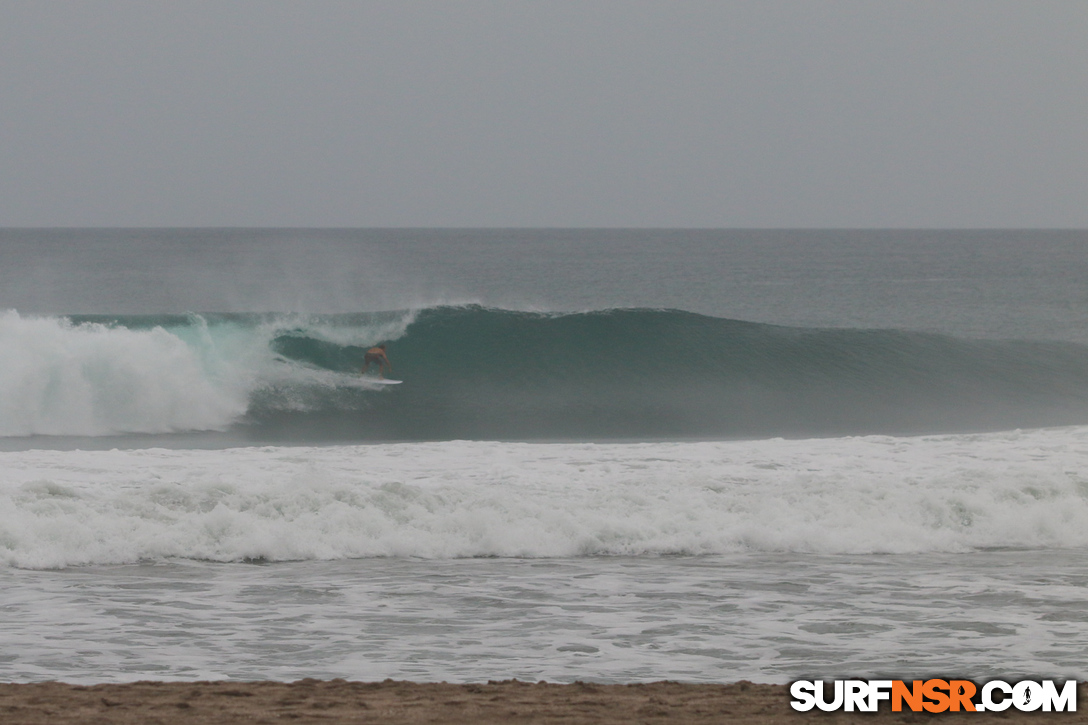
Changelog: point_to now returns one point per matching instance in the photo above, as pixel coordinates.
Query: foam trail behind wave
(463, 499)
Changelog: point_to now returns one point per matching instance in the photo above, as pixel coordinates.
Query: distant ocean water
(704, 428)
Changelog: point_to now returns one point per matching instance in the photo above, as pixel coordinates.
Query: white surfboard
(383, 381)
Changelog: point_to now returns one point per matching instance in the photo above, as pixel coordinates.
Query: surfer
(377, 355)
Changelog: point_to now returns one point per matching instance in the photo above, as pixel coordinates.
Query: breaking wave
(482, 373)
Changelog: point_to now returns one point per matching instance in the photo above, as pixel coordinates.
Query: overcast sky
(630, 113)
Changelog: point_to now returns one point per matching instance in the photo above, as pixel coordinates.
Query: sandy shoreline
(338, 701)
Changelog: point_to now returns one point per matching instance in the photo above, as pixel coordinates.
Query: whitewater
(868, 495)
(762, 455)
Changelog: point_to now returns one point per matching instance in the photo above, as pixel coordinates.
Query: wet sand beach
(339, 701)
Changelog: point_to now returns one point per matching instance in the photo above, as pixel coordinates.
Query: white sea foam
(58, 378)
(462, 499)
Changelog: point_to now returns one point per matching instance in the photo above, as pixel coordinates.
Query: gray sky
(870, 113)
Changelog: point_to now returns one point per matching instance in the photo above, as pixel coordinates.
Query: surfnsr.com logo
(934, 695)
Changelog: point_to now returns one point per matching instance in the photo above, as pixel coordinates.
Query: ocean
(617, 455)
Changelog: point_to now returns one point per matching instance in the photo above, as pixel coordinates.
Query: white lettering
(1027, 695)
(1066, 700)
(994, 696)
(804, 698)
(879, 690)
(834, 704)
(987, 699)
(857, 695)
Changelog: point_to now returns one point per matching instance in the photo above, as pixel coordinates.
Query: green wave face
(480, 373)
(474, 372)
